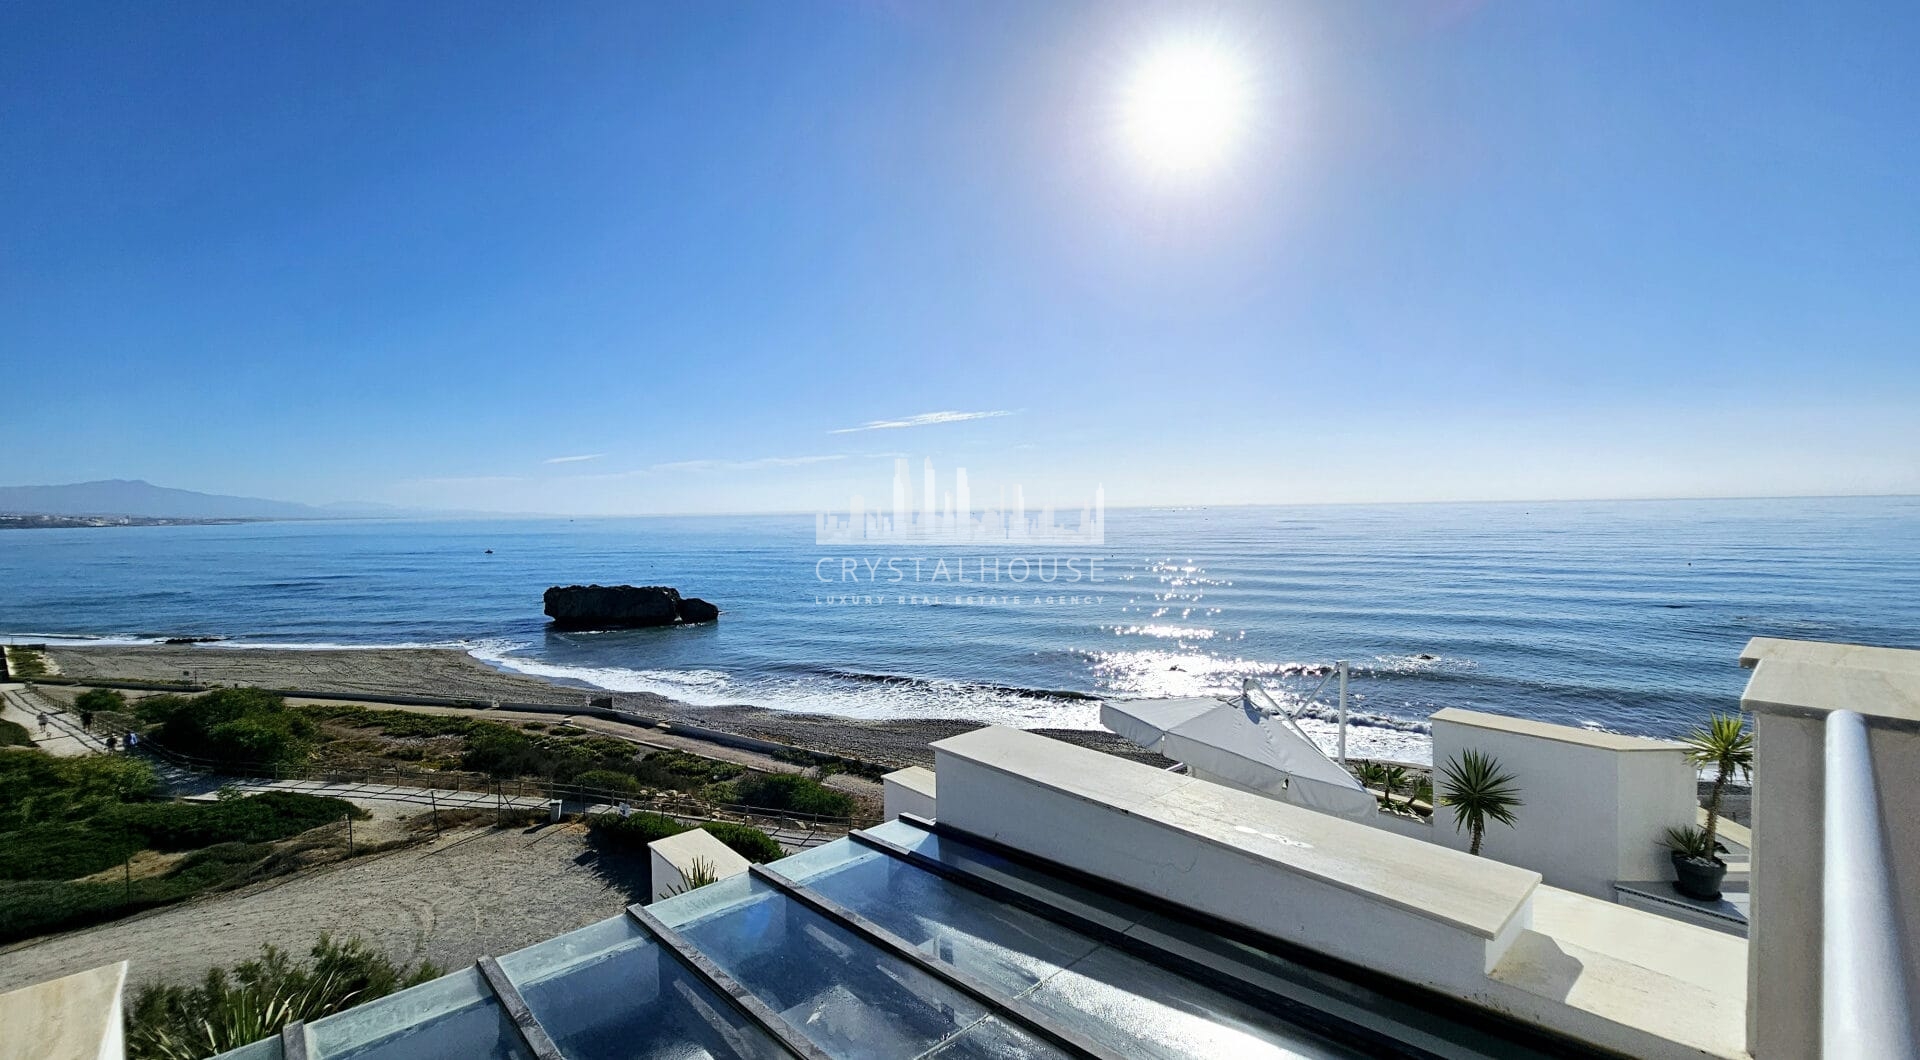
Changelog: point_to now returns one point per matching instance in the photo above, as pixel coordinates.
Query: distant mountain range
(133, 497)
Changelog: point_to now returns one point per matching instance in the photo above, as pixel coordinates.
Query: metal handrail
(1865, 999)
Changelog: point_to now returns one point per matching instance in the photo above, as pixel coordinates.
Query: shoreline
(454, 674)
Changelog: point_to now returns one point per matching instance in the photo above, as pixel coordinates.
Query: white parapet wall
(1482, 932)
(77, 1017)
(1596, 805)
(909, 790)
(1412, 909)
(673, 861)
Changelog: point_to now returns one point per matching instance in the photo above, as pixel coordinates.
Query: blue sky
(414, 253)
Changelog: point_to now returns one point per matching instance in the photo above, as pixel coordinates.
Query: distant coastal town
(59, 522)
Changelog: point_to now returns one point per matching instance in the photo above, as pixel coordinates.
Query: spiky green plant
(1392, 778)
(259, 997)
(1478, 790)
(1724, 744)
(1372, 775)
(699, 873)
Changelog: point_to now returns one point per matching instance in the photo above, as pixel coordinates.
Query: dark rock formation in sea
(623, 607)
(694, 609)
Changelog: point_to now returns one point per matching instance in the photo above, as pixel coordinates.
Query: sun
(1184, 108)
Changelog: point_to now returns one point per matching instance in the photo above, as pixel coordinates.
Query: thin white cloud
(745, 465)
(574, 459)
(924, 419)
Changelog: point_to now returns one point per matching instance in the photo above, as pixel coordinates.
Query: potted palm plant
(1478, 790)
(1725, 745)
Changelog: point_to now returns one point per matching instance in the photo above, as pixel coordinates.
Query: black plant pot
(1698, 877)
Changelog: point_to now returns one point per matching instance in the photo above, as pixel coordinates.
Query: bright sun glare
(1184, 108)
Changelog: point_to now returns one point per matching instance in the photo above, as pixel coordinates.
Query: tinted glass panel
(609, 992)
(264, 1049)
(454, 1017)
(1143, 1010)
(848, 997)
(996, 943)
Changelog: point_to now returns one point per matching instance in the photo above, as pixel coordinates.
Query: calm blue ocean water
(1627, 616)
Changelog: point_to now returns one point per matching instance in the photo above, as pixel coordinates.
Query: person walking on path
(86, 720)
(112, 745)
(133, 741)
(43, 723)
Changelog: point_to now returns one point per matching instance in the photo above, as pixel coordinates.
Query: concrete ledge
(1888, 695)
(909, 790)
(1635, 982)
(1541, 730)
(1406, 908)
(77, 1017)
(672, 861)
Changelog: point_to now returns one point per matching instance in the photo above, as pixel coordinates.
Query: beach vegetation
(253, 818)
(609, 780)
(36, 907)
(101, 699)
(1478, 790)
(235, 728)
(1724, 745)
(38, 788)
(791, 793)
(25, 664)
(66, 825)
(636, 830)
(259, 997)
(747, 841)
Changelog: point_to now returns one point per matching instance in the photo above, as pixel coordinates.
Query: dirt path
(450, 901)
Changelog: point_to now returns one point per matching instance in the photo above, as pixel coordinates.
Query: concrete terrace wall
(1410, 909)
(911, 790)
(1597, 805)
(1486, 934)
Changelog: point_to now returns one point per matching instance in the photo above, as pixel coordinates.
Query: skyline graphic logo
(947, 517)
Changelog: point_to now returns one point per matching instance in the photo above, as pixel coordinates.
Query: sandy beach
(449, 673)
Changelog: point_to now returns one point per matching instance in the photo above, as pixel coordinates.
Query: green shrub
(14, 735)
(37, 788)
(607, 780)
(634, 831)
(246, 728)
(403, 724)
(504, 751)
(253, 819)
(687, 772)
(98, 699)
(36, 907)
(748, 842)
(259, 997)
(791, 792)
(25, 663)
(63, 851)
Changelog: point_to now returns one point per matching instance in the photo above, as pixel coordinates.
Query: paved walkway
(64, 737)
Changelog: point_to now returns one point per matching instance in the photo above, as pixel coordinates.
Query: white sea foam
(819, 693)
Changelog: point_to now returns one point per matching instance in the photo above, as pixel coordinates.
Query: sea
(1622, 616)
